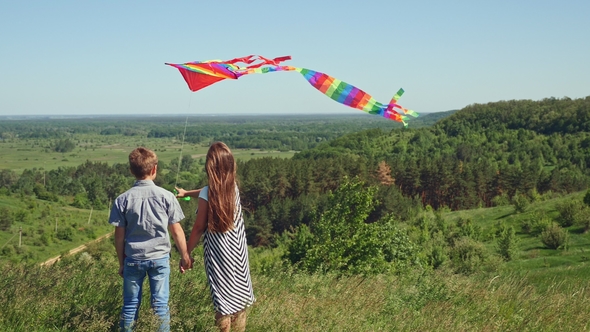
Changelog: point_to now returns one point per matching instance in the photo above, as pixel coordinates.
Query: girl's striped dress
(226, 264)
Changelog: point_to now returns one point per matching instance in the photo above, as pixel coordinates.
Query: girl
(219, 219)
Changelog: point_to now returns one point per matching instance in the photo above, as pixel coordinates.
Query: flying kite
(201, 74)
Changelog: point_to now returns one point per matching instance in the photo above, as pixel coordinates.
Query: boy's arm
(120, 247)
(199, 226)
(178, 236)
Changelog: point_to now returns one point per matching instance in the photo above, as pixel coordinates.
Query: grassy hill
(48, 228)
(540, 290)
(535, 262)
(547, 116)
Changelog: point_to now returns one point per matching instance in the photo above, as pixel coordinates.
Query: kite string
(182, 144)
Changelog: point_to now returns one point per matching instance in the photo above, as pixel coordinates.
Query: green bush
(8, 251)
(534, 195)
(468, 256)
(466, 228)
(21, 216)
(65, 233)
(341, 241)
(501, 200)
(300, 244)
(5, 219)
(521, 203)
(507, 243)
(437, 256)
(554, 237)
(536, 224)
(81, 201)
(570, 213)
(587, 198)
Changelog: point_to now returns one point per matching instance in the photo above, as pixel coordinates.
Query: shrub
(570, 213)
(536, 224)
(468, 256)
(554, 237)
(298, 246)
(437, 252)
(467, 228)
(8, 251)
(341, 241)
(521, 203)
(65, 233)
(437, 256)
(45, 239)
(81, 201)
(587, 198)
(585, 222)
(501, 200)
(21, 216)
(507, 242)
(534, 195)
(5, 219)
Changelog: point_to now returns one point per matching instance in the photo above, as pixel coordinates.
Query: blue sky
(107, 57)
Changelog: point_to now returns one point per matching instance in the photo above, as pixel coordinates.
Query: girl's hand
(181, 192)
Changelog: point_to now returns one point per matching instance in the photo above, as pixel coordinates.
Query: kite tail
(393, 104)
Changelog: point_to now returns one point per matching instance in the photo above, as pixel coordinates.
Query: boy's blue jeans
(134, 272)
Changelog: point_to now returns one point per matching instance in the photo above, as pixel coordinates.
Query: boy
(143, 216)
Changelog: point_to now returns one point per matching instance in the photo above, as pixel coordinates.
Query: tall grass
(83, 293)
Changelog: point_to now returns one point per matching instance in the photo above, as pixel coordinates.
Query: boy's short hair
(142, 161)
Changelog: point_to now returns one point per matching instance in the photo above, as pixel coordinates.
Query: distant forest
(269, 132)
(480, 156)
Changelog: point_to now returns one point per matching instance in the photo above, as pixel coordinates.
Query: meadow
(27, 143)
(540, 290)
(21, 154)
(82, 293)
(463, 277)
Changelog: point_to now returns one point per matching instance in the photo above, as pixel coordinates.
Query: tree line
(481, 156)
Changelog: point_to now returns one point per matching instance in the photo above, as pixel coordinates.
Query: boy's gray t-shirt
(146, 211)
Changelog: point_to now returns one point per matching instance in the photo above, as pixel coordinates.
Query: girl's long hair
(221, 170)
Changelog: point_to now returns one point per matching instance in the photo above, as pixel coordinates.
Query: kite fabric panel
(201, 74)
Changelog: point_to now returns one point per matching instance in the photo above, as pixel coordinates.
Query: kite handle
(185, 198)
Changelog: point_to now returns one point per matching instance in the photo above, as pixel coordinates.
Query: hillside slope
(547, 116)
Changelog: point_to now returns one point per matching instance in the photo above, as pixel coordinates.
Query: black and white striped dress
(226, 264)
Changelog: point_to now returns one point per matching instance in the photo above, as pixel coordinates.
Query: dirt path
(75, 250)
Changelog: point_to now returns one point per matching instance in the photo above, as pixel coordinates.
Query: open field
(29, 142)
(18, 155)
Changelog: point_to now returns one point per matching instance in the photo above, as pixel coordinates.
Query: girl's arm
(190, 193)
(199, 226)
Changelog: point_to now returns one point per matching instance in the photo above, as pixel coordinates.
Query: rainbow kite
(200, 74)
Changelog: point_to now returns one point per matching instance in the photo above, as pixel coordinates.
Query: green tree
(341, 241)
(5, 219)
(81, 201)
(507, 243)
(554, 237)
(521, 203)
(587, 198)
(64, 145)
(570, 213)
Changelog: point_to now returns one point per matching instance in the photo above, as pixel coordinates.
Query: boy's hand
(186, 264)
(121, 271)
